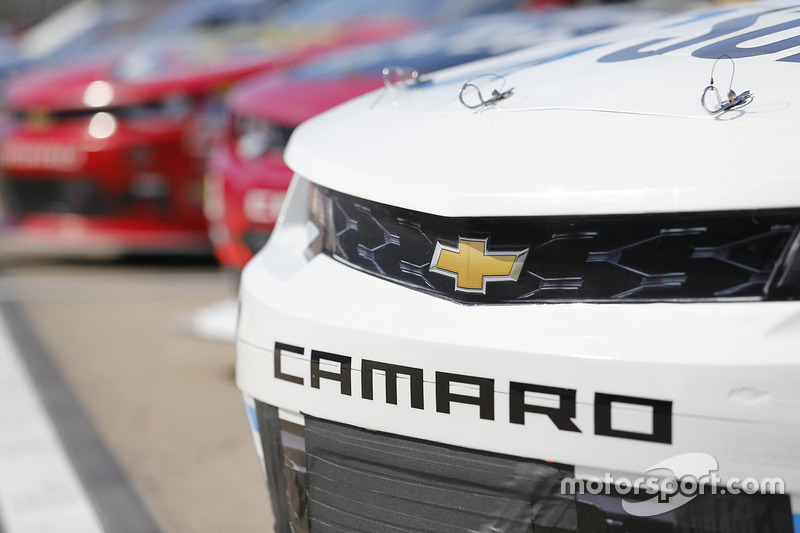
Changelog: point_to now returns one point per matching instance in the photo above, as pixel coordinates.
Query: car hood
(191, 63)
(610, 123)
(55, 88)
(289, 101)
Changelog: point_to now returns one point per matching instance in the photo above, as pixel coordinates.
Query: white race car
(551, 291)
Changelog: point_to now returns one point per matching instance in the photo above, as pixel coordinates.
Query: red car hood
(287, 100)
(182, 73)
(55, 88)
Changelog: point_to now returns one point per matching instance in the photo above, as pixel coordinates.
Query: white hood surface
(610, 123)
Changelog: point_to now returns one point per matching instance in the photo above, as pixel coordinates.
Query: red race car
(109, 154)
(247, 179)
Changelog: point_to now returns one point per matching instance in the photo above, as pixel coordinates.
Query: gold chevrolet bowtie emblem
(472, 266)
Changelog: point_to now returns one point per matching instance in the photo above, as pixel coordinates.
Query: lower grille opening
(360, 481)
(73, 196)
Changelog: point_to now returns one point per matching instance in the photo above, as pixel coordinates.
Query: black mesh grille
(47, 195)
(363, 482)
(326, 477)
(664, 257)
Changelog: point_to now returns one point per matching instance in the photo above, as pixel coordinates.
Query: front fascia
(727, 371)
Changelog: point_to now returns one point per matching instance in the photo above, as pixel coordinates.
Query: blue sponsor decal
(561, 56)
(796, 520)
(512, 69)
(701, 16)
(730, 46)
(252, 418)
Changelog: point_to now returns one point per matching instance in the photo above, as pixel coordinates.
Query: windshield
(462, 41)
(294, 25)
(435, 49)
(80, 25)
(303, 11)
(212, 14)
(117, 24)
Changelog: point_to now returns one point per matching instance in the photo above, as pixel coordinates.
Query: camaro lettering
(338, 368)
(484, 400)
(662, 418)
(391, 371)
(343, 376)
(561, 416)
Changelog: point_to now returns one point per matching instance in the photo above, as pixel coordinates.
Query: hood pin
(733, 100)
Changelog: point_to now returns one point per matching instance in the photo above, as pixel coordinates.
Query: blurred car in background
(75, 29)
(78, 28)
(95, 28)
(87, 32)
(109, 153)
(247, 178)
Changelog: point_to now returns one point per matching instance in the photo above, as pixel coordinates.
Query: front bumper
(138, 190)
(59, 234)
(603, 387)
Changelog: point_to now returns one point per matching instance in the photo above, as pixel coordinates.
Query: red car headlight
(254, 137)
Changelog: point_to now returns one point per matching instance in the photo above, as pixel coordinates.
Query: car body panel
(597, 126)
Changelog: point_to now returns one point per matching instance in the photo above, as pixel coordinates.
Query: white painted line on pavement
(39, 489)
(216, 322)
(104, 287)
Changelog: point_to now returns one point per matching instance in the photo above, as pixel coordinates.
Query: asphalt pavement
(147, 416)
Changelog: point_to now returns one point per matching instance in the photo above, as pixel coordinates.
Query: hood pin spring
(733, 100)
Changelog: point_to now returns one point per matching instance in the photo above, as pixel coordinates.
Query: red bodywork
(237, 187)
(132, 182)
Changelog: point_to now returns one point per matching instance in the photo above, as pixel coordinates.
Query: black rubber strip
(117, 504)
(269, 427)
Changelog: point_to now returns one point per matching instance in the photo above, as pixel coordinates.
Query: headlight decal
(785, 283)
